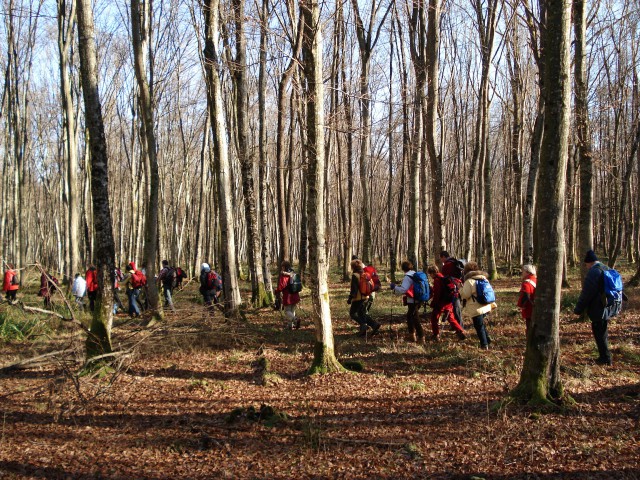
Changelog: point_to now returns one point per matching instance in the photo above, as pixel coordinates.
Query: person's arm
(404, 287)
(467, 289)
(590, 290)
(355, 286)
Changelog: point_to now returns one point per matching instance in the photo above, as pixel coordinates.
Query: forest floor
(200, 397)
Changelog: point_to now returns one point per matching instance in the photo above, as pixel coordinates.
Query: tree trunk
(262, 170)
(140, 33)
(585, 162)
(324, 359)
(540, 377)
(99, 340)
(238, 71)
(232, 299)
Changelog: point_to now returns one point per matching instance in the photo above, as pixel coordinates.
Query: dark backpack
(214, 282)
(421, 292)
(371, 271)
(612, 291)
(138, 279)
(169, 278)
(484, 292)
(450, 288)
(295, 284)
(458, 269)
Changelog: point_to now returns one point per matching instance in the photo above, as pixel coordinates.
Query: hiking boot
(603, 361)
(461, 335)
(297, 327)
(484, 347)
(375, 329)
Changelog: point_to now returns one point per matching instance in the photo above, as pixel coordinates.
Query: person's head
(92, 268)
(131, 265)
(285, 266)
(444, 255)
(206, 268)
(77, 275)
(406, 266)
(354, 257)
(10, 266)
(470, 267)
(528, 269)
(356, 266)
(165, 263)
(590, 258)
(433, 270)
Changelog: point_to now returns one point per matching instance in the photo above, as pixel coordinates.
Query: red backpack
(373, 274)
(138, 279)
(366, 284)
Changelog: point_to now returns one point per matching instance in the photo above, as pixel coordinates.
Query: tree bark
(99, 341)
(540, 378)
(140, 33)
(324, 359)
(232, 299)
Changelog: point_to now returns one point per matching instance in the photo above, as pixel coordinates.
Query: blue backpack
(484, 292)
(612, 291)
(421, 292)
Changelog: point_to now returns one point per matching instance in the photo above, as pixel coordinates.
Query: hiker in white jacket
(78, 289)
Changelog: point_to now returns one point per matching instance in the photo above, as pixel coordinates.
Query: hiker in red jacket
(47, 286)
(527, 294)
(92, 286)
(11, 284)
(441, 303)
(454, 268)
(288, 300)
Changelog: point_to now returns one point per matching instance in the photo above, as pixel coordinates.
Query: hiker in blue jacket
(416, 332)
(591, 300)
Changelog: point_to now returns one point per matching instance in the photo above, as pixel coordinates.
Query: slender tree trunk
(262, 139)
(140, 33)
(239, 72)
(99, 340)
(435, 156)
(324, 359)
(232, 299)
(585, 162)
(540, 377)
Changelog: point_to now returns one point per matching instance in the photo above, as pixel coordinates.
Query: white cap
(206, 267)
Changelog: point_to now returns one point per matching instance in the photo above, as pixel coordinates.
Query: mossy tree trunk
(540, 378)
(99, 341)
(324, 360)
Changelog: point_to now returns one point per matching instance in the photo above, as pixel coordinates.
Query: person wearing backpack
(527, 294)
(117, 302)
(442, 303)
(11, 284)
(92, 286)
(373, 273)
(167, 278)
(593, 300)
(210, 287)
(133, 281)
(454, 268)
(180, 276)
(478, 300)
(406, 289)
(47, 286)
(361, 288)
(78, 290)
(287, 295)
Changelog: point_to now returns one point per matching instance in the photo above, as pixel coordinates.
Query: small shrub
(353, 365)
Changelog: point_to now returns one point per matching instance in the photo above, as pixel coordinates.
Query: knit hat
(590, 257)
(206, 267)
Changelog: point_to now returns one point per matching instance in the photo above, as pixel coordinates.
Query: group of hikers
(461, 290)
(458, 290)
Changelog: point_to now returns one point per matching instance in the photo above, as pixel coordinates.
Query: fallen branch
(29, 362)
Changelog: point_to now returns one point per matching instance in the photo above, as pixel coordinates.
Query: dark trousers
(413, 319)
(481, 330)
(601, 336)
(358, 312)
(457, 311)
(92, 299)
(11, 295)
